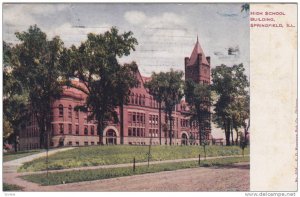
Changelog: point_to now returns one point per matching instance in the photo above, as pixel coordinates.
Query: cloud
(75, 35)
(135, 17)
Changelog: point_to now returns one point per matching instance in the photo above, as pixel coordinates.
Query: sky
(166, 32)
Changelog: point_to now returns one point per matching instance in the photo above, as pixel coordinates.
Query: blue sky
(166, 32)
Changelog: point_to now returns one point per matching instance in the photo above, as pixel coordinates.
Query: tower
(197, 66)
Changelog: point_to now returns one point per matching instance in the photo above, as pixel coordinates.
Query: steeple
(196, 51)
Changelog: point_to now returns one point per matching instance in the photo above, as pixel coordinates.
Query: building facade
(72, 128)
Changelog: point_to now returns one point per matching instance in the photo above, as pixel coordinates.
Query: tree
(105, 82)
(15, 99)
(125, 80)
(156, 88)
(230, 84)
(172, 94)
(198, 97)
(36, 63)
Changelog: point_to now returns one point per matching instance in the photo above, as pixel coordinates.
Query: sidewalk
(12, 166)
(128, 164)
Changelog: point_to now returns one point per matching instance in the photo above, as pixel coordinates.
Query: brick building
(71, 128)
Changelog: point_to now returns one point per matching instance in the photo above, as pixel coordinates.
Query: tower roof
(197, 49)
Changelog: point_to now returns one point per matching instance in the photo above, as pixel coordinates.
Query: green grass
(106, 155)
(89, 175)
(18, 155)
(11, 187)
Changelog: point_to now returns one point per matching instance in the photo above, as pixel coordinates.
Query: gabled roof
(197, 49)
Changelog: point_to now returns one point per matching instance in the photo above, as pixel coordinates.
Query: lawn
(89, 175)
(106, 155)
(18, 155)
(11, 187)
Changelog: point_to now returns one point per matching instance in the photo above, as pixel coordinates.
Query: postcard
(150, 97)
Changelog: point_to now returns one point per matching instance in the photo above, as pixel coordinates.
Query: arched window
(70, 111)
(61, 110)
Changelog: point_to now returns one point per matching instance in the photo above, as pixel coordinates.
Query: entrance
(184, 139)
(111, 137)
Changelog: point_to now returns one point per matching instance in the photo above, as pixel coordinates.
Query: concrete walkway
(12, 166)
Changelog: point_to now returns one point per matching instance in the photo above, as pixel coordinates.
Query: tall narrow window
(129, 131)
(77, 114)
(92, 130)
(61, 128)
(70, 128)
(61, 110)
(85, 130)
(144, 100)
(132, 98)
(77, 130)
(136, 99)
(140, 100)
(70, 111)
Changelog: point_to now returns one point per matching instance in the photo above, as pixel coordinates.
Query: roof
(197, 50)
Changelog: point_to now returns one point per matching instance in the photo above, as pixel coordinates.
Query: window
(140, 100)
(70, 143)
(77, 114)
(85, 130)
(77, 143)
(129, 117)
(143, 101)
(132, 98)
(134, 117)
(138, 132)
(92, 143)
(70, 111)
(92, 130)
(61, 128)
(77, 130)
(86, 143)
(129, 131)
(134, 132)
(136, 99)
(61, 110)
(70, 128)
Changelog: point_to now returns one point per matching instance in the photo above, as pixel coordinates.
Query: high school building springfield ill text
(71, 128)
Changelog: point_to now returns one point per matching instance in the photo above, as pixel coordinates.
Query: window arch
(61, 110)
